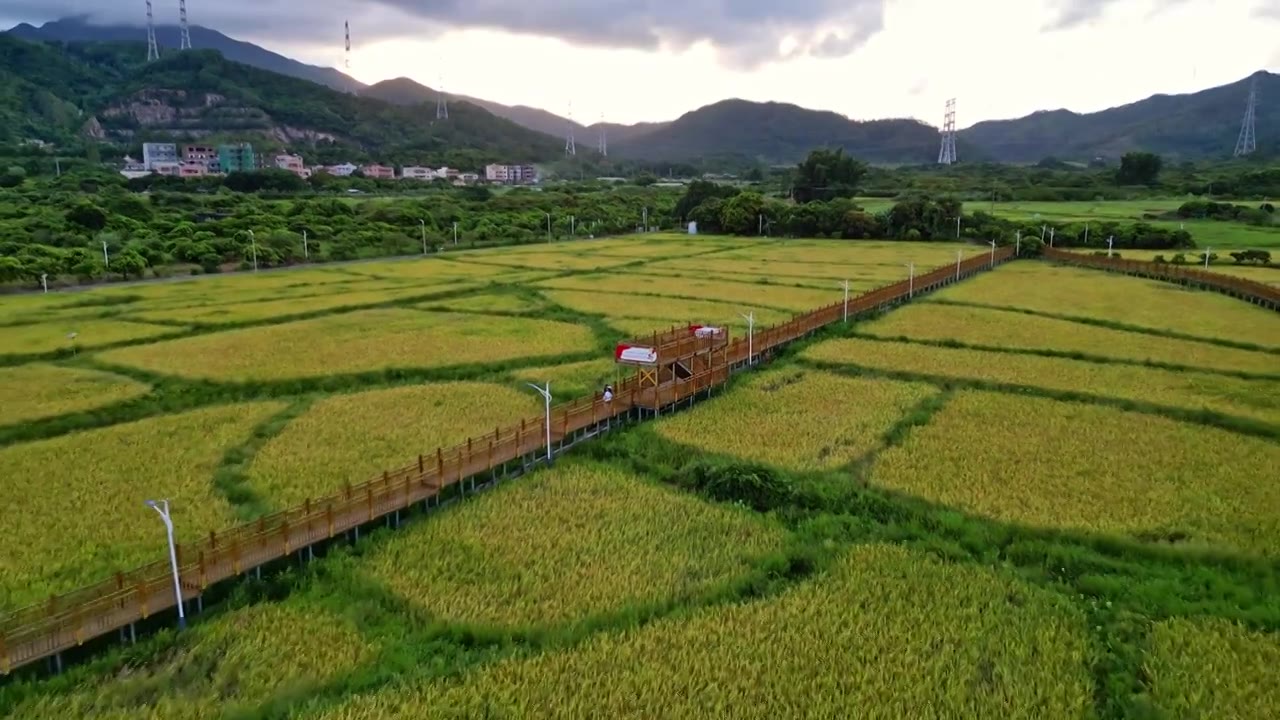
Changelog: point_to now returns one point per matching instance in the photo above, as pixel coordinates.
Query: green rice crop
(888, 634)
(361, 341)
(797, 419)
(1055, 464)
(568, 543)
(37, 391)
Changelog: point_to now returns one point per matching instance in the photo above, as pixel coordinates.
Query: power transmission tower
(346, 59)
(153, 49)
(604, 138)
(442, 101)
(1248, 140)
(947, 155)
(186, 31)
(570, 146)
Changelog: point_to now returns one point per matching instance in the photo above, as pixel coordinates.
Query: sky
(646, 60)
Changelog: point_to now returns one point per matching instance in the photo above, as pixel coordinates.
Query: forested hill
(779, 133)
(1192, 126)
(77, 30)
(56, 93)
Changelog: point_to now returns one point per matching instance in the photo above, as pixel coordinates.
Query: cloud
(1074, 13)
(747, 32)
(1269, 9)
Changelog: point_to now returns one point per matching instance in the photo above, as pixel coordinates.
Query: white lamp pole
(957, 228)
(254, 242)
(1052, 232)
(44, 280)
(546, 397)
(1110, 243)
(423, 223)
(106, 259)
(993, 253)
(1207, 252)
(751, 336)
(306, 249)
(162, 508)
(455, 233)
(1017, 239)
(911, 280)
(959, 258)
(1086, 233)
(548, 226)
(846, 301)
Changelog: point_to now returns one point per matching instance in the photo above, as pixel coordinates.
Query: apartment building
(379, 172)
(413, 172)
(511, 174)
(343, 170)
(237, 157)
(154, 154)
(294, 164)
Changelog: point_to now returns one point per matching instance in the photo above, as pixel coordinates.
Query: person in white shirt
(608, 393)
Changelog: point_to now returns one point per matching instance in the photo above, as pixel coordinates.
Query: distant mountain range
(1194, 126)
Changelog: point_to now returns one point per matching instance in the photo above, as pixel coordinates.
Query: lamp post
(106, 259)
(1086, 233)
(546, 397)
(1207, 253)
(751, 336)
(911, 280)
(993, 252)
(1017, 247)
(44, 280)
(957, 228)
(1052, 232)
(548, 226)
(646, 219)
(423, 223)
(959, 258)
(306, 249)
(253, 241)
(846, 301)
(1110, 243)
(455, 232)
(162, 508)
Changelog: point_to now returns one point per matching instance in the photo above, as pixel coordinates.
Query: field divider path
(1252, 291)
(44, 631)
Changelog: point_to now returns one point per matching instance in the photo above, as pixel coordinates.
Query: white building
(469, 178)
(511, 174)
(154, 154)
(343, 170)
(413, 172)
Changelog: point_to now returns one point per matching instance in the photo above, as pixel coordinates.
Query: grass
(747, 295)
(38, 391)
(1255, 399)
(90, 488)
(1213, 668)
(1046, 463)
(350, 438)
(355, 342)
(220, 668)
(570, 543)
(867, 641)
(1104, 296)
(991, 328)
(90, 333)
(797, 419)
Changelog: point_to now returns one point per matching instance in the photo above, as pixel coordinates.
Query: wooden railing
(66, 621)
(1251, 290)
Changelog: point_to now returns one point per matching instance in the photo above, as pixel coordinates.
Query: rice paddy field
(1043, 492)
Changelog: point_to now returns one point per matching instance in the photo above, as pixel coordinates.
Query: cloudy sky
(634, 60)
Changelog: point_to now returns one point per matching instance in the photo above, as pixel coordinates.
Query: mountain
(78, 29)
(778, 133)
(53, 92)
(1190, 126)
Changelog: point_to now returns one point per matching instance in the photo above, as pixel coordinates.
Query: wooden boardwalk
(1238, 287)
(45, 630)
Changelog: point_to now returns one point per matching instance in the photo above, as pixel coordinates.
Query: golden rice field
(350, 438)
(749, 295)
(579, 540)
(1213, 668)
(552, 261)
(579, 379)
(229, 665)
(827, 274)
(666, 310)
(992, 328)
(38, 391)
(363, 341)
(887, 634)
(862, 253)
(487, 303)
(89, 333)
(799, 419)
(76, 501)
(1117, 298)
(262, 310)
(1046, 463)
(1256, 399)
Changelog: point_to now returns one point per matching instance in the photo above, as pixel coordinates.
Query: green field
(1045, 492)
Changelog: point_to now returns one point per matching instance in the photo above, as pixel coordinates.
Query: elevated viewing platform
(678, 354)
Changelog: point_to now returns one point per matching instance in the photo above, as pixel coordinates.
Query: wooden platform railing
(1251, 290)
(66, 621)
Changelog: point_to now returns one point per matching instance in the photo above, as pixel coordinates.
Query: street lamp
(957, 228)
(455, 233)
(959, 257)
(1110, 242)
(106, 259)
(1086, 233)
(254, 242)
(546, 396)
(548, 226)
(1052, 232)
(162, 507)
(423, 223)
(911, 280)
(751, 336)
(1017, 247)
(846, 301)
(1207, 252)
(44, 280)
(993, 252)
(306, 249)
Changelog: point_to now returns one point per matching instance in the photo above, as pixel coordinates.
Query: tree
(1139, 168)
(828, 174)
(11, 269)
(88, 216)
(741, 214)
(129, 263)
